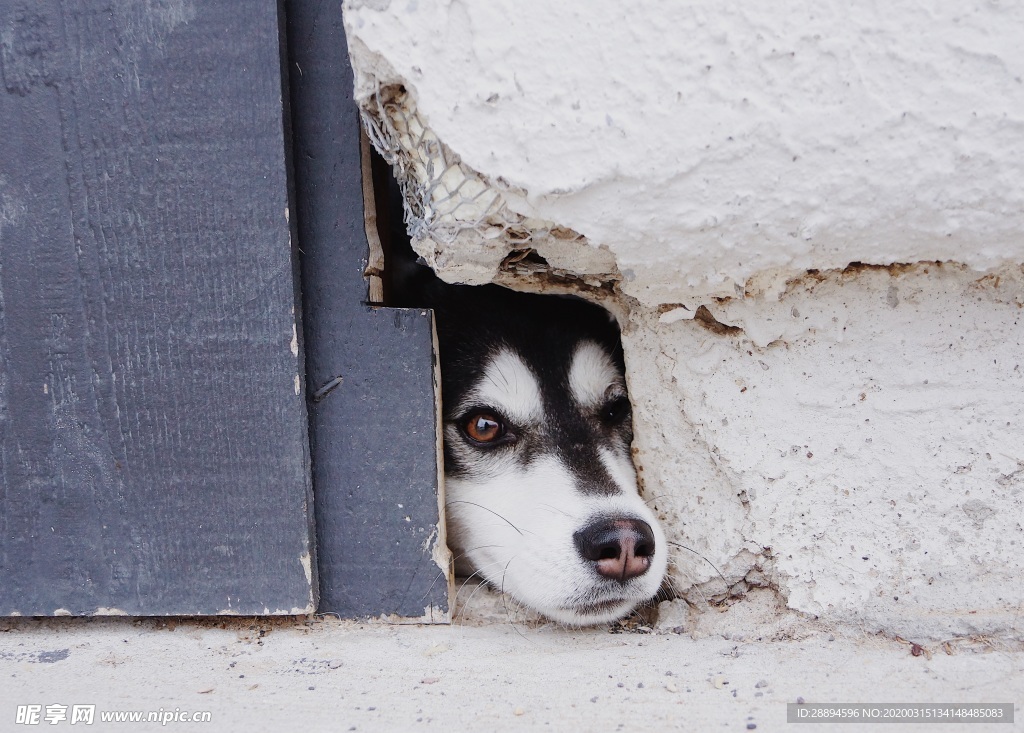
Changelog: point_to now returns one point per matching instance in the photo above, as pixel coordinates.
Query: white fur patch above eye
(509, 385)
(591, 374)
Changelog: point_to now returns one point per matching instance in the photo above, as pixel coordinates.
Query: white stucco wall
(851, 435)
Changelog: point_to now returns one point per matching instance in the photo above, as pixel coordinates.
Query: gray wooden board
(370, 370)
(153, 446)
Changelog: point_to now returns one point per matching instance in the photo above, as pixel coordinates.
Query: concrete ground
(482, 673)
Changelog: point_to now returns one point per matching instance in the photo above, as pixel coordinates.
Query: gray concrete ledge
(323, 674)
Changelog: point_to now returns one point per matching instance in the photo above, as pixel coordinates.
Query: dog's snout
(620, 549)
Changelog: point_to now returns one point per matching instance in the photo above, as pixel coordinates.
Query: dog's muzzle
(620, 549)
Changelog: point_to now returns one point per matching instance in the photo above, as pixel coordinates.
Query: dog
(541, 493)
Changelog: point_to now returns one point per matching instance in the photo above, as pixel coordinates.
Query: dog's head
(542, 498)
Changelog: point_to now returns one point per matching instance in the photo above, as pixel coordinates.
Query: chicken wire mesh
(446, 201)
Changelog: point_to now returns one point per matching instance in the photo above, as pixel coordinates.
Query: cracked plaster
(846, 434)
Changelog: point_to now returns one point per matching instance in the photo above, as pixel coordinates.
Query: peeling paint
(13, 210)
(430, 542)
(58, 655)
(155, 20)
(43, 657)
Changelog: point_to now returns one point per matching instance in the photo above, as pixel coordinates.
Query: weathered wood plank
(153, 447)
(373, 413)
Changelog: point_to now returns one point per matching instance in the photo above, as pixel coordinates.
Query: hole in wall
(537, 431)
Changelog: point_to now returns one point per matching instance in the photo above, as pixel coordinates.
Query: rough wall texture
(845, 433)
(862, 455)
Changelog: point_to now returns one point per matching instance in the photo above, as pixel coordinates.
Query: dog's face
(542, 499)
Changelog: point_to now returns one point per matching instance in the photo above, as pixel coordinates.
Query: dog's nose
(620, 549)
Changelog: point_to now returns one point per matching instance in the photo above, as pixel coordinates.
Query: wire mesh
(445, 200)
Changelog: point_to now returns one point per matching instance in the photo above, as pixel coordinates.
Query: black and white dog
(541, 492)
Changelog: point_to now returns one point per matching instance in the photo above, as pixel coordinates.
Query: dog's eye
(483, 427)
(615, 411)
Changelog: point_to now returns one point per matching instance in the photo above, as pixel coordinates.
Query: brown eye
(482, 427)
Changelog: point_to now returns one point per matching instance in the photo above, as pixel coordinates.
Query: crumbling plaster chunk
(704, 143)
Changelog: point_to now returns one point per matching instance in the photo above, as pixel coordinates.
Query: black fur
(544, 331)
(473, 322)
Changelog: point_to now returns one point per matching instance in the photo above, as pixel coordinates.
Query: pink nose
(621, 549)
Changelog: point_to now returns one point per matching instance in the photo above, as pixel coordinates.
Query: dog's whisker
(514, 610)
(504, 599)
(440, 574)
(481, 568)
(676, 544)
(463, 610)
(486, 509)
(520, 609)
(649, 500)
(670, 589)
(456, 558)
(479, 573)
(677, 591)
(465, 606)
(702, 596)
(476, 573)
(555, 509)
(464, 553)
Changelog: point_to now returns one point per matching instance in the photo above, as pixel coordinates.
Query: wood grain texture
(373, 413)
(153, 446)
